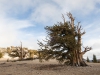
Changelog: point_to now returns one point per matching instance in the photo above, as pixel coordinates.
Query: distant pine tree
(94, 58)
(88, 59)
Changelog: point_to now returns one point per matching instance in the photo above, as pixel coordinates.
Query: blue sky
(24, 20)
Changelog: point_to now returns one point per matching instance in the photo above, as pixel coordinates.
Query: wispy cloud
(16, 16)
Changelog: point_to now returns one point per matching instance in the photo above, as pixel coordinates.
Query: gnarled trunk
(77, 59)
(77, 56)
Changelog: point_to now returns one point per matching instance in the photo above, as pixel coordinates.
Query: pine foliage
(94, 58)
(88, 59)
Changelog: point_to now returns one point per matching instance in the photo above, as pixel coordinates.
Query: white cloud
(9, 31)
(95, 44)
(15, 6)
(10, 27)
(92, 39)
(81, 6)
(32, 40)
(45, 13)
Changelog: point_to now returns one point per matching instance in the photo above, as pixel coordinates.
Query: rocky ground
(46, 68)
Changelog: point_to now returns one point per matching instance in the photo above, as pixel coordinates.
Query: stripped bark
(78, 53)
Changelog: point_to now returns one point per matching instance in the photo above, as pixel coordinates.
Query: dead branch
(71, 18)
(86, 49)
(83, 33)
(79, 28)
(63, 18)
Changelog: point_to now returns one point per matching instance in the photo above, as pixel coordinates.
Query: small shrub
(1, 55)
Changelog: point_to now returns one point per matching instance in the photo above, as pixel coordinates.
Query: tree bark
(77, 59)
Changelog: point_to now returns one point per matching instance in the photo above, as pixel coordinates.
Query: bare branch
(63, 18)
(79, 28)
(70, 16)
(86, 49)
(79, 24)
(83, 33)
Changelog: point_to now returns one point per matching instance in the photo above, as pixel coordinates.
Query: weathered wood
(71, 18)
(78, 53)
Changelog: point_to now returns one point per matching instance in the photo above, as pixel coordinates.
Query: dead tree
(19, 52)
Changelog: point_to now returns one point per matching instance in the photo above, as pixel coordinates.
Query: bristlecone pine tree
(64, 43)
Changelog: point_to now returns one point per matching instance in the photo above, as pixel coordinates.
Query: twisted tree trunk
(77, 56)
